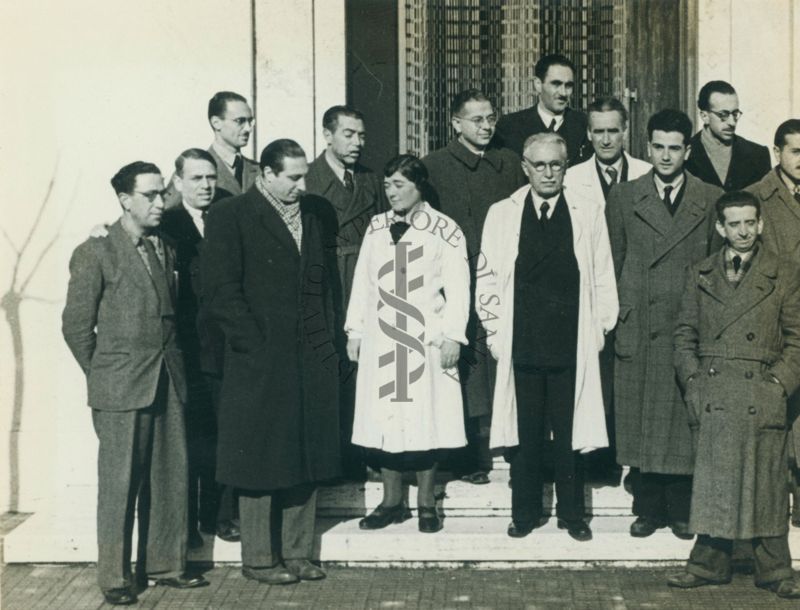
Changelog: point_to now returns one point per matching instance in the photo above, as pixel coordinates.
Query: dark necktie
(543, 215)
(398, 229)
(159, 277)
(797, 193)
(348, 180)
(612, 175)
(238, 169)
(737, 263)
(667, 200)
(203, 215)
(552, 125)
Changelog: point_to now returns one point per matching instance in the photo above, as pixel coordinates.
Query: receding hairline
(542, 139)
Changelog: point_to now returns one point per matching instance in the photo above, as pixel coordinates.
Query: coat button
(653, 301)
(751, 410)
(712, 371)
(708, 408)
(750, 336)
(653, 336)
(748, 375)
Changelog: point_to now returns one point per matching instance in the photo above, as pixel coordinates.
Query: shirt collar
(338, 170)
(193, 212)
(226, 155)
(787, 181)
(538, 200)
(137, 239)
(675, 184)
(617, 165)
(547, 116)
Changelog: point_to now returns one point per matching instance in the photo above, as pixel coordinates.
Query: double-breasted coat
(597, 312)
(729, 343)
(278, 417)
(652, 250)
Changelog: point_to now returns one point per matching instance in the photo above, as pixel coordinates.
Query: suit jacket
(582, 179)
(113, 325)
(513, 129)
(227, 186)
(201, 339)
(651, 251)
(749, 163)
(278, 414)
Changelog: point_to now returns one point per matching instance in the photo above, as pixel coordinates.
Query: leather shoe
(687, 580)
(577, 528)
(383, 516)
(429, 520)
(228, 531)
(276, 575)
(304, 569)
(120, 597)
(520, 529)
(786, 588)
(478, 477)
(645, 526)
(184, 581)
(681, 530)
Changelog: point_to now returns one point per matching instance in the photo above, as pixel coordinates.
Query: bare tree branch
(10, 243)
(39, 214)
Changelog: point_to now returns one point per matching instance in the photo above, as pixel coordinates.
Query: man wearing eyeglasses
(659, 224)
(467, 176)
(719, 156)
(120, 324)
(547, 297)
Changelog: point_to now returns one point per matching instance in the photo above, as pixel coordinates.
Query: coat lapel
(691, 212)
(226, 181)
(130, 262)
(649, 207)
(775, 188)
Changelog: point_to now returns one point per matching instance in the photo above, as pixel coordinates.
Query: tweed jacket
(749, 163)
(513, 129)
(113, 324)
(730, 344)
(651, 251)
(781, 214)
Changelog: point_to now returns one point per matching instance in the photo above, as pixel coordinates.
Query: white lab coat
(582, 180)
(597, 313)
(437, 307)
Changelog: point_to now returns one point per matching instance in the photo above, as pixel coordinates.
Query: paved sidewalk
(72, 587)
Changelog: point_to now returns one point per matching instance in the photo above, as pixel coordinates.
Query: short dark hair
(736, 199)
(192, 153)
(330, 120)
(470, 95)
(791, 126)
(219, 102)
(554, 59)
(670, 120)
(713, 86)
(124, 181)
(275, 152)
(609, 104)
(410, 167)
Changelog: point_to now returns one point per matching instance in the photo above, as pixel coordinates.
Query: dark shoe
(429, 520)
(686, 580)
(383, 516)
(120, 597)
(184, 581)
(478, 477)
(577, 528)
(304, 569)
(681, 530)
(645, 526)
(276, 575)
(195, 540)
(520, 529)
(786, 588)
(228, 531)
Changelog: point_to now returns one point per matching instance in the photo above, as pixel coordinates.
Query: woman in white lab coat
(406, 321)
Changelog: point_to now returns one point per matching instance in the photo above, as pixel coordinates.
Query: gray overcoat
(651, 251)
(729, 343)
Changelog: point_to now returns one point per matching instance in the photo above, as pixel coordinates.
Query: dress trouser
(277, 525)
(661, 497)
(201, 440)
(711, 558)
(142, 456)
(545, 396)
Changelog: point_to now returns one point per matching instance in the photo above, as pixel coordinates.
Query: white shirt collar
(675, 184)
(547, 116)
(617, 165)
(538, 200)
(196, 216)
(338, 170)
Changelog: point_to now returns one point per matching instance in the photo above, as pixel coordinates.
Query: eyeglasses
(724, 115)
(540, 166)
(478, 120)
(151, 195)
(242, 121)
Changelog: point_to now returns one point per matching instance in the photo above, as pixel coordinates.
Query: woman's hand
(451, 350)
(353, 349)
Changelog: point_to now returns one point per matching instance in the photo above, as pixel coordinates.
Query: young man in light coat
(547, 297)
(737, 354)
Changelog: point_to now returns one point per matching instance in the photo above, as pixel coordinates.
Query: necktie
(397, 230)
(348, 180)
(737, 263)
(797, 193)
(667, 200)
(203, 215)
(543, 217)
(238, 169)
(159, 277)
(552, 125)
(612, 175)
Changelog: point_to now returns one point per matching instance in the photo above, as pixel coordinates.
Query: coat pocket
(769, 406)
(626, 333)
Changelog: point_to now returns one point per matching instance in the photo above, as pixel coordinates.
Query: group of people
(251, 330)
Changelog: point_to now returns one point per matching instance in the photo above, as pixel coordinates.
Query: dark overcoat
(278, 418)
(651, 251)
(729, 342)
(749, 163)
(513, 129)
(464, 186)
